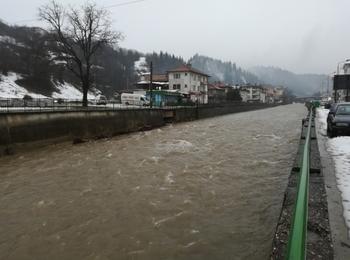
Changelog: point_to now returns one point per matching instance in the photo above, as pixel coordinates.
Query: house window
(185, 74)
(185, 86)
(177, 76)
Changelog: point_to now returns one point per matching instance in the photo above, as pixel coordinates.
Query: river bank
(27, 130)
(319, 244)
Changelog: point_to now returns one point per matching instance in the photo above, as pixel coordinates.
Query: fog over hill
(227, 72)
(299, 84)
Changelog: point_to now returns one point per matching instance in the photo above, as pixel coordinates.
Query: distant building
(189, 81)
(278, 94)
(261, 94)
(269, 94)
(161, 98)
(159, 82)
(253, 94)
(216, 94)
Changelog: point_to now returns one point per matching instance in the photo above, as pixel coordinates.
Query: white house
(189, 81)
(253, 94)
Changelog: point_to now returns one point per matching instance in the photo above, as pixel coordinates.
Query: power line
(109, 6)
(29, 20)
(125, 3)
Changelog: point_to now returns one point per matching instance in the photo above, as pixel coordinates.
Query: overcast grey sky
(299, 35)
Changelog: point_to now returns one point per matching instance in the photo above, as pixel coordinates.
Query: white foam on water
(156, 159)
(169, 178)
(190, 244)
(161, 221)
(272, 136)
(180, 146)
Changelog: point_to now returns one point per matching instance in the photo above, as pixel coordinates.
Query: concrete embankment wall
(35, 127)
(19, 128)
(187, 114)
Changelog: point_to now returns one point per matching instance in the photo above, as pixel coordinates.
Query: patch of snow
(98, 67)
(10, 89)
(58, 62)
(56, 59)
(69, 91)
(7, 39)
(141, 67)
(339, 149)
(10, 40)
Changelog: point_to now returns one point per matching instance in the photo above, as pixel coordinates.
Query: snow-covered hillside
(10, 89)
(68, 91)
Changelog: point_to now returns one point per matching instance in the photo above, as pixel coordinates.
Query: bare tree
(79, 33)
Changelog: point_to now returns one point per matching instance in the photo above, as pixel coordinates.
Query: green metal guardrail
(297, 236)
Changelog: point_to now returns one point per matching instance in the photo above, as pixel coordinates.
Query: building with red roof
(189, 81)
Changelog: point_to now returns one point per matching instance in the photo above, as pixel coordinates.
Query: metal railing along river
(15, 105)
(50, 104)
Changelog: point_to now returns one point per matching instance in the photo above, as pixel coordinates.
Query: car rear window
(343, 110)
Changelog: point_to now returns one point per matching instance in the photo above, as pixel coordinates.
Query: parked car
(338, 119)
(102, 100)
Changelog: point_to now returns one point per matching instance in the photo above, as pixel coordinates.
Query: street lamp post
(341, 63)
(331, 75)
(335, 92)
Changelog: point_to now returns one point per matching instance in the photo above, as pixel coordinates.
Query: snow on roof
(154, 82)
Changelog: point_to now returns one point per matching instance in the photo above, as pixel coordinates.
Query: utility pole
(151, 84)
(327, 86)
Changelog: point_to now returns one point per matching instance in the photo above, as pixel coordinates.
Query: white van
(134, 99)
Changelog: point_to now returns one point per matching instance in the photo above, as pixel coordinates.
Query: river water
(207, 189)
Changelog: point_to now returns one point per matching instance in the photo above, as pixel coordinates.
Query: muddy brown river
(207, 189)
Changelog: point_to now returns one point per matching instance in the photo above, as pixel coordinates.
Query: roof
(216, 87)
(156, 77)
(188, 68)
(153, 82)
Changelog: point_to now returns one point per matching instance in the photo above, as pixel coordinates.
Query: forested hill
(226, 72)
(28, 55)
(300, 84)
